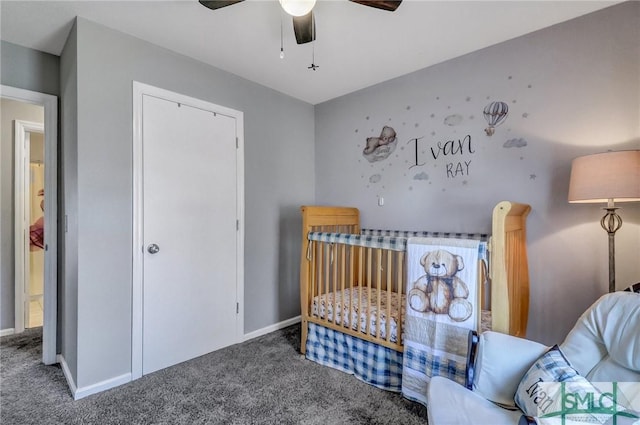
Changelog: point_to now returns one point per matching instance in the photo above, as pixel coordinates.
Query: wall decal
(455, 169)
(446, 149)
(455, 119)
(379, 148)
(515, 143)
(435, 150)
(453, 147)
(416, 164)
(495, 113)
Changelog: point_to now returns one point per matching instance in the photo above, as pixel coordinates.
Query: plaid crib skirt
(374, 364)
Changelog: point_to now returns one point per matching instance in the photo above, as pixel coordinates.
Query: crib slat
(327, 279)
(321, 268)
(389, 289)
(352, 277)
(330, 278)
(379, 289)
(343, 271)
(360, 282)
(369, 277)
(312, 278)
(401, 299)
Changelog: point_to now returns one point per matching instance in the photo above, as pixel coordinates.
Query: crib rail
(370, 270)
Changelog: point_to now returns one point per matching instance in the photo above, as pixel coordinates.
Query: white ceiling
(356, 46)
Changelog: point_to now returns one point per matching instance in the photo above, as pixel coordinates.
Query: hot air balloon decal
(495, 113)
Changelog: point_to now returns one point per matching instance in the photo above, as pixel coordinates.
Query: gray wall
(30, 70)
(572, 90)
(279, 176)
(68, 197)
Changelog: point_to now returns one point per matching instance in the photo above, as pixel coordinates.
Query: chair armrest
(502, 361)
(634, 288)
(473, 341)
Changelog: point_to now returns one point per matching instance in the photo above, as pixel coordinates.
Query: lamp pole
(611, 222)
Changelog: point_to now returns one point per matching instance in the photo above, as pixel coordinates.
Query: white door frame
(139, 90)
(22, 214)
(50, 104)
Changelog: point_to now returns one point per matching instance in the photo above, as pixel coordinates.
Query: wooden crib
(342, 267)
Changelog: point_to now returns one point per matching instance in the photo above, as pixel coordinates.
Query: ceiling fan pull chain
(313, 66)
(281, 42)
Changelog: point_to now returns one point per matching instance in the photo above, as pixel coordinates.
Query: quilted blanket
(442, 306)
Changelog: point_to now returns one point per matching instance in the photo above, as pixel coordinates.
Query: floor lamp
(607, 177)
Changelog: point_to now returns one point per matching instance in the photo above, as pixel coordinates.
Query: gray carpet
(262, 381)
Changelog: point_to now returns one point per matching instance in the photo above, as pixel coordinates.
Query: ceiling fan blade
(304, 28)
(217, 4)
(380, 4)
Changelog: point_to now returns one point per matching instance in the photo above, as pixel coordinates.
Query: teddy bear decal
(439, 290)
(379, 148)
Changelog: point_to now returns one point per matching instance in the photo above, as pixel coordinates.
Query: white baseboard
(102, 386)
(79, 393)
(83, 392)
(8, 331)
(67, 374)
(271, 328)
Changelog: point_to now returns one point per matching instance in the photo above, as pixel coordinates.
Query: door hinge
(237, 308)
(66, 223)
(237, 224)
(237, 143)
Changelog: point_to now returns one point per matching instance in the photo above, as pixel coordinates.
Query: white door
(189, 218)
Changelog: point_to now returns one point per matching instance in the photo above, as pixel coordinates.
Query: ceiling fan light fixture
(297, 7)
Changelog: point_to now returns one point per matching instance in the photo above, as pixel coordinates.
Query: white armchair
(603, 346)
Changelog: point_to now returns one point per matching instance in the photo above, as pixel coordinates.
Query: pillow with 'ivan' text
(541, 389)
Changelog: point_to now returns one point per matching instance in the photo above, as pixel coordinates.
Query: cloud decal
(375, 178)
(421, 176)
(515, 143)
(452, 120)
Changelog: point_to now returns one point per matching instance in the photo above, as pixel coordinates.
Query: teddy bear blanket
(443, 304)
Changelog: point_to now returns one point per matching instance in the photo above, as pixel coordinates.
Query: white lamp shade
(605, 176)
(297, 7)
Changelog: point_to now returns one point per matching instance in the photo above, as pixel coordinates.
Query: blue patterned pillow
(535, 399)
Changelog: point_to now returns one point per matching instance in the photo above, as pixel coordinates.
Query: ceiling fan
(304, 25)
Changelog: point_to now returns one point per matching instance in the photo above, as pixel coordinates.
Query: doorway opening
(29, 226)
(29, 219)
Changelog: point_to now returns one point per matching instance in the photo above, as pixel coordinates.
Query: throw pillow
(535, 398)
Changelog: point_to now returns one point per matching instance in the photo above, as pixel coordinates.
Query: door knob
(153, 249)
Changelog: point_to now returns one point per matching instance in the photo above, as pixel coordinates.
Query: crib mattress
(341, 300)
(356, 297)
